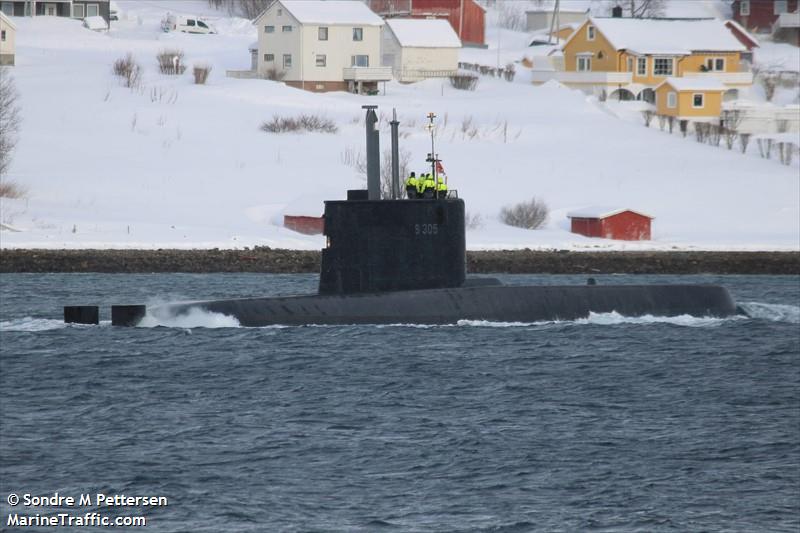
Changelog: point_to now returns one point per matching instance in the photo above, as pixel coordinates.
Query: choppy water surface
(606, 424)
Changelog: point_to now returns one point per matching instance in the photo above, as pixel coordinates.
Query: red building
(761, 15)
(466, 17)
(609, 223)
(304, 224)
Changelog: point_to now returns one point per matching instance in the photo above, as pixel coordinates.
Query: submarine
(403, 261)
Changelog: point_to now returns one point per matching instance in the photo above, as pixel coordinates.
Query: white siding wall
(8, 47)
(304, 45)
(338, 50)
(279, 42)
(542, 21)
(427, 59)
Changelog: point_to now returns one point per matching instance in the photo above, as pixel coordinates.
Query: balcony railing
(728, 78)
(788, 20)
(367, 73)
(541, 76)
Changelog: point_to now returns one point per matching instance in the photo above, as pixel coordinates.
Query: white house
(321, 45)
(420, 48)
(8, 33)
(542, 19)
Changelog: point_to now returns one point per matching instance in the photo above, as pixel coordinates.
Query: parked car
(186, 24)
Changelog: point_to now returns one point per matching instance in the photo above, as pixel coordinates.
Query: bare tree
(639, 9)
(246, 8)
(528, 215)
(744, 140)
(731, 119)
(648, 115)
(10, 118)
(511, 15)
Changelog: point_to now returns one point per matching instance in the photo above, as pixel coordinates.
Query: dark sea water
(604, 424)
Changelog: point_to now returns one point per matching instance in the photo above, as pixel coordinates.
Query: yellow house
(696, 99)
(629, 57)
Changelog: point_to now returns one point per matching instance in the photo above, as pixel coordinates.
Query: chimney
(616, 12)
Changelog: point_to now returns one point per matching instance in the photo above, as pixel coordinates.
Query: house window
(269, 29)
(321, 60)
(287, 60)
(92, 10)
(630, 64)
(7, 8)
(280, 12)
(590, 33)
(662, 66)
(584, 63)
(358, 34)
(322, 33)
(780, 7)
(78, 11)
(744, 8)
(359, 61)
(3, 35)
(697, 100)
(269, 57)
(641, 66)
(715, 64)
(286, 29)
(672, 100)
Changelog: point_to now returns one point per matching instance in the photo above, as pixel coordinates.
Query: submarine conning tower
(393, 244)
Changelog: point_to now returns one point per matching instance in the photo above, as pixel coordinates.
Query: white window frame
(591, 32)
(3, 36)
(744, 8)
(354, 60)
(269, 58)
(780, 6)
(702, 100)
(671, 69)
(641, 66)
(320, 32)
(672, 100)
(75, 8)
(287, 60)
(358, 32)
(586, 61)
(286, 29)
(90, 7)
(324, 62)
(269, 29)
(711, 64)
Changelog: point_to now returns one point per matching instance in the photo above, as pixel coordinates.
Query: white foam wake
(194, 318)
(610, 319)
(776, 312)
(31, 324)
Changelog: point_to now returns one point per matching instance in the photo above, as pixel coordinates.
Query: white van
(185, 24)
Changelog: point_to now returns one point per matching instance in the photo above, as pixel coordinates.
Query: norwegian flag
(439, 168)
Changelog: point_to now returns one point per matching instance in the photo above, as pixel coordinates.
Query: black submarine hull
(505, 303)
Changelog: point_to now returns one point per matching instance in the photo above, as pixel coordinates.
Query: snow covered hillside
(173, 164)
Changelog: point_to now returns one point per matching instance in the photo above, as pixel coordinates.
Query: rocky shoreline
(264, 259)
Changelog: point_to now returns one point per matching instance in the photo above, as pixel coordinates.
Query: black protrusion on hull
(127, 315)
(81, 314)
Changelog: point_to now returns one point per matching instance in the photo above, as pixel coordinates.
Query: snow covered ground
(174, 164)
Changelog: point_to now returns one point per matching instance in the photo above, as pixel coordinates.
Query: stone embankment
(264, 259)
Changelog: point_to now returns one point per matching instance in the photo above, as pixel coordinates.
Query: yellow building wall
(617, 61)
(693, 62)
(580, 43)
(712, 103)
